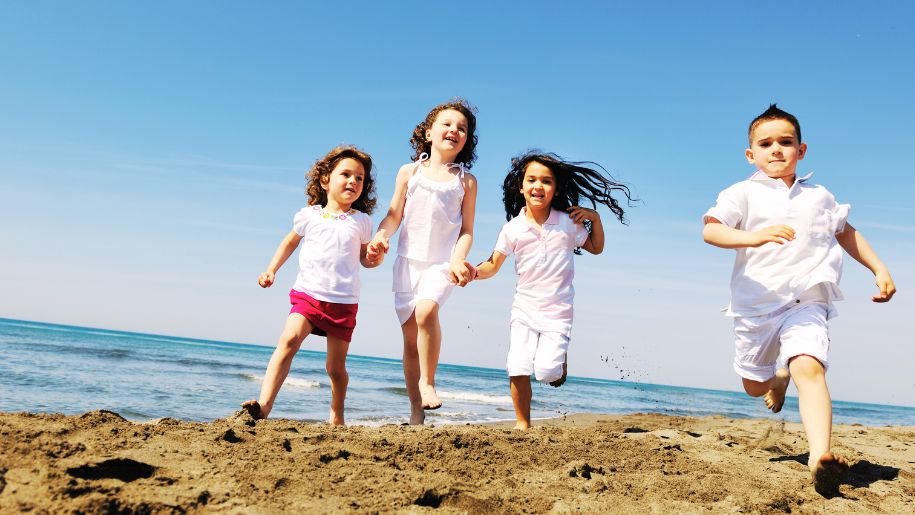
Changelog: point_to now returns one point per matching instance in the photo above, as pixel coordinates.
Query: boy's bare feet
(335, 419)
(828, 473)
(430, 398)
(522, 426)
(562, 379)
(254, 409)
(775, 397)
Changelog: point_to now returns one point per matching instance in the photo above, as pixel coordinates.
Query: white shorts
(767, 342)
(418, 280)
(534, 352)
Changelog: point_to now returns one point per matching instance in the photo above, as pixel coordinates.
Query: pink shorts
(338, 320)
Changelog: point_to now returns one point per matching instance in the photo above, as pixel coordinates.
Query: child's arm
(392, 219)
(595, 242)
(720, 235)
(286, 248)
(461, 271)
(491, 266)
(857, 247)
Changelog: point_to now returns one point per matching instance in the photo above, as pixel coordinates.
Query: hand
(474, 273)
(265, 279)
(379, 244)
(780, 234)
(887, 288)
(374, 252)
(579, 214)
(462, 273)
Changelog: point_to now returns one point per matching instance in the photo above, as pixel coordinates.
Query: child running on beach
(788, 232)
(538, 191)
(434, 199)
(334, 230)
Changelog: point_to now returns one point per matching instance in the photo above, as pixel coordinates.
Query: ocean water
(71, 370)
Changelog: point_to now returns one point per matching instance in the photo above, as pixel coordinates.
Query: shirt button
(798, 301)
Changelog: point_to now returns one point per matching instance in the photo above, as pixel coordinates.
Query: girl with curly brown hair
(434, 202)
(335, 230)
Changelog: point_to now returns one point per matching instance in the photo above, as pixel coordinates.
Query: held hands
(462, 273)
(887, 288)
(780, 234)
(375, 251)
(265, 279)
(579, 214)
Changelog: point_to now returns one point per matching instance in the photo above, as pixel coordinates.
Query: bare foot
(562, 379)
(335, 420)
(522, 426)
(775, 397)
(828, 473)
(254, 409)
(430, 398)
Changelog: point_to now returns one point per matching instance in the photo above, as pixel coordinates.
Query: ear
(324, 181)
(749, 154)
(801, 151)
(428, 134)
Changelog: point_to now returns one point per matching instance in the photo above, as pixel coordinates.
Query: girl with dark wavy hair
(434, 201)
(538, 192)
(334, 230)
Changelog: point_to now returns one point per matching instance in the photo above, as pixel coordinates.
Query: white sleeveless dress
(429, 230)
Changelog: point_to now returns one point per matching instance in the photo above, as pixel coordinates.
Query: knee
(289, 343)
(426, 315)
(806, 367)
(337, 374)
(755, 388)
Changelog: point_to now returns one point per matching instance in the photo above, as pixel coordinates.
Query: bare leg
(428, 346)
(816, 413)
(521, 397)
(339, 378)
(778, 385)
(296, 329)
(411, 370)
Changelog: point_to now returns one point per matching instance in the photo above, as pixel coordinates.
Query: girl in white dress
(433, 204)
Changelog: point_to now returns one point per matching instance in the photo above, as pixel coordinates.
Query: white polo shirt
(771, 276)
(329, 253)
(545, 268)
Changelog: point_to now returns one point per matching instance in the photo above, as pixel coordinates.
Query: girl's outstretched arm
(285, 249)
(392, 219)
(461, 272)
(491, 266)
(595, 242)
(857, 247)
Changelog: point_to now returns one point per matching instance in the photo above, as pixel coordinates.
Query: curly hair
(574, 182)
(324, 166)
(467, 155)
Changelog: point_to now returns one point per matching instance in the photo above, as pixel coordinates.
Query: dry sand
(99, 462)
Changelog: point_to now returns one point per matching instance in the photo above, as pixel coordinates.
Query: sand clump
(99, 462)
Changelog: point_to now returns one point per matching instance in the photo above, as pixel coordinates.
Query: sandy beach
(99, 462)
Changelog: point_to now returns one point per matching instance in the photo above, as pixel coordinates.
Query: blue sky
(152, 156)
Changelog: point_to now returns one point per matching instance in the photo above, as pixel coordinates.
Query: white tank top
(432, 216)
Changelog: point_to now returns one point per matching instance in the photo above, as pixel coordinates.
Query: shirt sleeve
(505, 244)
(581, 235)
(729, 208)
(300, 221)
(365, 229)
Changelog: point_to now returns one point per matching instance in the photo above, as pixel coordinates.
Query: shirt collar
(761, 176)
(553, 219)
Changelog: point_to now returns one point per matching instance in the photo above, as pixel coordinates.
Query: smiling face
(775, 149)
(448, 133)
(344, 184)
(538, 187)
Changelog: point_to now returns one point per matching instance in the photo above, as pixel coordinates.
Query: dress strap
(422, 157)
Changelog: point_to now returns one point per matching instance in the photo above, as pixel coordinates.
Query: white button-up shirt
(771, 276)
(545, 268)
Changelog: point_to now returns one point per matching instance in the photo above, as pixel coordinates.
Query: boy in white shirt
(788, 233)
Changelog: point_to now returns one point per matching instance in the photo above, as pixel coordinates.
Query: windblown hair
(467, 155)
(322, 168)
(575, 181)
(774, 113)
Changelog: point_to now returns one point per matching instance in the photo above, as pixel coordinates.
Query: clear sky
(152, 156)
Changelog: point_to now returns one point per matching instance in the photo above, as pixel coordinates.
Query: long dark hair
(576, 181)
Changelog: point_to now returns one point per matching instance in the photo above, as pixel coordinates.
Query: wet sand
(99, 462)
